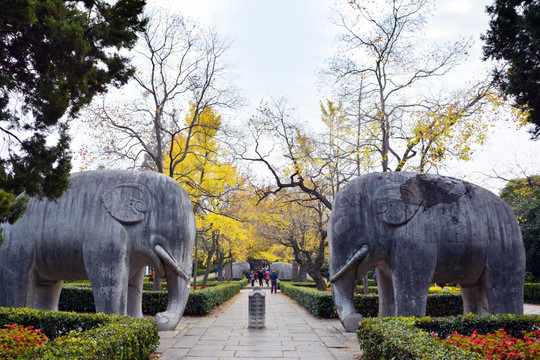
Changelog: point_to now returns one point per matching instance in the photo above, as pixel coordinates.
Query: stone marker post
(257, 308)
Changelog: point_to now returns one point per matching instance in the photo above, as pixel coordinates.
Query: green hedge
(200, 302)
(84, 336)
(532, 293)
(320, 303)
(411, 338)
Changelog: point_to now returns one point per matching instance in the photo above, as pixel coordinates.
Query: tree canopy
(514, 37)
(55, 55)
(523, 197)
(383, 73)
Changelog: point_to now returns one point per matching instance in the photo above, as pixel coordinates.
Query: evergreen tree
(55, 55)
(514, 37)
(523, 197)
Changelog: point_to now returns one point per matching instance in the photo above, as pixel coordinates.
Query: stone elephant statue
(417, 229)
(106, 228)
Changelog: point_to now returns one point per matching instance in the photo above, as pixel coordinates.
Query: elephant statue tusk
(354, 260)
(169, 261)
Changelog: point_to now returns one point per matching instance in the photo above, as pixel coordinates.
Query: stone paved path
(290, 333)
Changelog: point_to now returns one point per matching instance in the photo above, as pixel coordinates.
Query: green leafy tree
(55, 55)
(514, 37)
(523, 197)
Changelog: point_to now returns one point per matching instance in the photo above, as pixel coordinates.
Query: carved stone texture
(127, 203)
(239, 268)
(257, 308)
(283, 270)
(105, 228)
(418, 229)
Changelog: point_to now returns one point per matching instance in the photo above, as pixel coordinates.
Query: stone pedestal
(257, 308)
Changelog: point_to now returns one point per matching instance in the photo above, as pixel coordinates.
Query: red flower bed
(16, 340)
(498, 345)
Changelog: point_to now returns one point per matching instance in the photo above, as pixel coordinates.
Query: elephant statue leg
(47, 294)
(135, 291)
(344, 289)
(474, 300)
(387, 301)
(109, 276)
(412, 278)
(17, 269)
(504, 291)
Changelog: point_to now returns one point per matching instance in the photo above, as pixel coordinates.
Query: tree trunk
(295, 277)
(302, 273)
(366, 285)
(206, 273)
(209, 256)
(156, 284)
(319, 280)
(196, 265)
(219, 261)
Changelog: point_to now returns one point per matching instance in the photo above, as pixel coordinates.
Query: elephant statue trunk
(177, 300)
(169, 261)
(353, 261)
(177, 282)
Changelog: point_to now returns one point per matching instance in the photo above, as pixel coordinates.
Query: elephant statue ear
(127, 203)
(389, 205)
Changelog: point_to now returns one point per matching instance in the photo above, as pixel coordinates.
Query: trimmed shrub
(372, 289)
(412, 338)
(79, 298)
(201, 302)
(320, 303)
(84, 336)
(532, 293)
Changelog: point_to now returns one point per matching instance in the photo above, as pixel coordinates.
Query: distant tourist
(267, 277)
(273, 278)
(260, 275)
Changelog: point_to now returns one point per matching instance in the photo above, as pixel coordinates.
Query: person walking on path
(273, 279)
(260, 275)
(266, 277)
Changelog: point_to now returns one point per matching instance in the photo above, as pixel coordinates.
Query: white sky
(278, 46)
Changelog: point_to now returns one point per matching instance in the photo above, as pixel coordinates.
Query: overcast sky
(278, 46)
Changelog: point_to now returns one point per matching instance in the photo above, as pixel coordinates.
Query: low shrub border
(320, 303)
(532, 293)
(411, 338)
(85, 336)
(200, 302)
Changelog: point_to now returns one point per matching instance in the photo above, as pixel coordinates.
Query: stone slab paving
(290, 333)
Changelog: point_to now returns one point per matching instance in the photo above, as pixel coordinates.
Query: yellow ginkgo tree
(198, 162)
